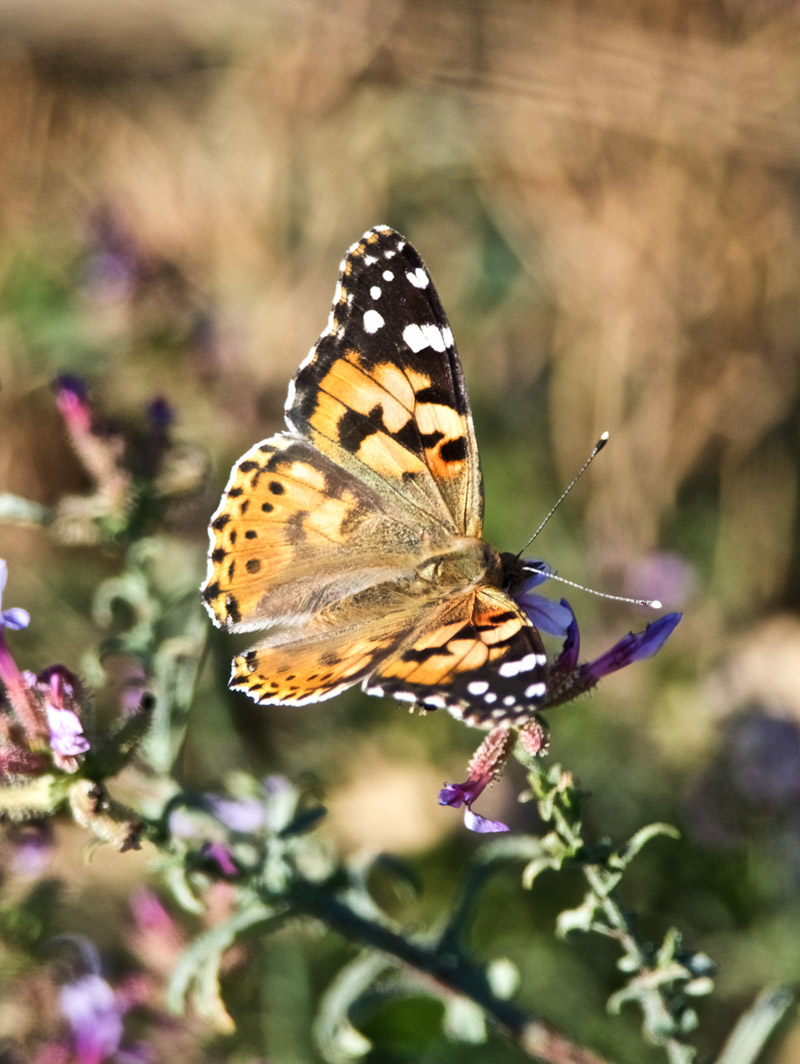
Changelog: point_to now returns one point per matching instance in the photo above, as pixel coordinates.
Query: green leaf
(337, 1039)
(196, 975)
(754, 1027)
(626, 853)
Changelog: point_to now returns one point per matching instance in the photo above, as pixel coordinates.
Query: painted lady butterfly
(354, 537)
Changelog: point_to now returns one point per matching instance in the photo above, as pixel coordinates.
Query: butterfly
(354, 538)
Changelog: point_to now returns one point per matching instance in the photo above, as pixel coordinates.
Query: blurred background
(608, 199)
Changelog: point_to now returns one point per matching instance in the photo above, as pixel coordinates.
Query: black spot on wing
(454, 450)
(419, 656)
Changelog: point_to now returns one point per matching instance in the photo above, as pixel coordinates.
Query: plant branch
(450, 973)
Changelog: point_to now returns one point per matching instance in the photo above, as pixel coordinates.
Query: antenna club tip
(655, 604)
(601, 443)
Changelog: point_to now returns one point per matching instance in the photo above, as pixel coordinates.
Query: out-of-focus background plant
(606, 196)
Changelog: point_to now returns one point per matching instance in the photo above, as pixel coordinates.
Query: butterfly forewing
(383, 388)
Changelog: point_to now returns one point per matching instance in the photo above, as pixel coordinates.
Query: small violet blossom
(15, 620)
(60, 688)
(47, 706)
(566, 680)
(94, 1014)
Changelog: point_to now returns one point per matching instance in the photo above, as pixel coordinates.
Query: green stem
(450, 973)
(618, 925)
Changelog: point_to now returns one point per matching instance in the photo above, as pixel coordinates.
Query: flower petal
(634, 647)
(548, 616)
(66, 732)
(568, 658)
(16, 619)
(480, 823)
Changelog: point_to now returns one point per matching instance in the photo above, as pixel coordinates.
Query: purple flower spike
(486, 765)
(71, 401)
(633, 647)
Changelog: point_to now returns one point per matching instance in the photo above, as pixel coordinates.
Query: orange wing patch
(290, 536)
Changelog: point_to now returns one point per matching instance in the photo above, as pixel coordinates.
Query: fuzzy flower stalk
(567, 679)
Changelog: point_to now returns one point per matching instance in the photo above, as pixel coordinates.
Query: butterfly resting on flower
(354, 538)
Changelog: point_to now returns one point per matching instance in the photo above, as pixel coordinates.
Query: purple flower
(548, 616)
(485, 766)
(635, 646)
(16, 618)
(244, 815)
(219, 853)
(66, 731)
(94, 1013)
(72, 402)
(33, 849)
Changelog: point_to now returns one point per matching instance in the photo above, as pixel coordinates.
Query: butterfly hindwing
(478, 656)
(382, 391)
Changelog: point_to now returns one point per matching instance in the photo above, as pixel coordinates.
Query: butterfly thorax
(467, 561)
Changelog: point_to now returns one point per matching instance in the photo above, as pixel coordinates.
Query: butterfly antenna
(653, 604)
(595, 451)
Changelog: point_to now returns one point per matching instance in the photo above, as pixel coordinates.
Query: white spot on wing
(375, 292)
(536, 690)
(414, 337)
(490, 697)
(509, 700)
(372, 321)
(419, 278)
(436, 701)
(388, 275)
(435, 337)
(370, 260)
(478, 687)
(514, 668)
(419, 337)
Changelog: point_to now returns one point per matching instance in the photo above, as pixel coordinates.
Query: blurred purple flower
(94, 1013)
(71, 399)
(16, 618)
(750, 790)
(114, 265)
(220, 854)
(666, 576)
(33, 849)
(244, 815)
